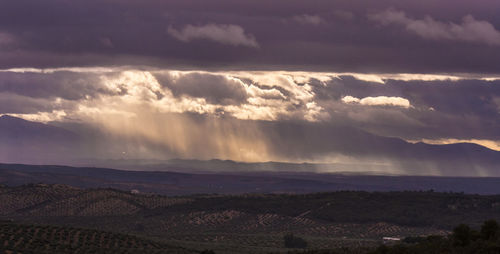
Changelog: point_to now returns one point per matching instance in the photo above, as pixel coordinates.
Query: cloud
(468, 111)
(216, 89)
(6, 39)
(308, 19)
(352, 45)
(344, 15)
(378, 101)
(17, 104)
(244, 95)
(55, 115)
(350, 99)
(222, 33)
(60, 84)
(491, 144)
(470, 30)
(253, 116)
(106, 42)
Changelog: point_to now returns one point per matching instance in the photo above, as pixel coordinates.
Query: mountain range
(23, 141)
(175, 183)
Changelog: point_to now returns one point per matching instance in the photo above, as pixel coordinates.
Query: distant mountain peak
(13, 122)
(9, 117)
(16, 129)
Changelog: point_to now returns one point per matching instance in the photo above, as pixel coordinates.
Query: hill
(24, 238)
(175, 183)
(250, 222)
(22, 140)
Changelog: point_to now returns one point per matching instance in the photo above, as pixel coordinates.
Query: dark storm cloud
(62, 84)
(306, 19)
(6, 40)
(16, 104)
(466, 97)
(470, 30)
(462, 109)
(222, 33)
(334, 35)
(217, 89)
(448, 96)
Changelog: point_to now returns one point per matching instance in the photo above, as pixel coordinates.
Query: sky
(284, 80)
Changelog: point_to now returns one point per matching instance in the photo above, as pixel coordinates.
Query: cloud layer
(259, 116)
(330, 35)
(226, 34)
(470, 29)
(307, 19)
(408, 106)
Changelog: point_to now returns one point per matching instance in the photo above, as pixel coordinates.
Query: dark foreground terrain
(36, 239)
(250, 223)
(22, 238)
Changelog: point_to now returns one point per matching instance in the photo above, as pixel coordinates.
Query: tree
(207, 252)
(462, 235)
(490, 230)
(382, 249)
(292, 241)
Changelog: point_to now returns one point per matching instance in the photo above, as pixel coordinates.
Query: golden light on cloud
(129, 88)
(378, 101)
(137, 106)
(215, 114)
(491, 144)
(43, 117)
(264, 95)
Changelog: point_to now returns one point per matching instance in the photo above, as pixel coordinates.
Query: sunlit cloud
(42, 117)
(378, 101)
(253, 116)
(491, 144)
(255, 96)
(260, 95)
(244, 95)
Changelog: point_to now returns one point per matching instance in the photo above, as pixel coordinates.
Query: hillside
(242, 223)
(174, 183)
(41, 200)
(22, 140)
(24, 238)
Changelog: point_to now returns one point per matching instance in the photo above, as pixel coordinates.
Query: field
(252, 223)
(19, 238)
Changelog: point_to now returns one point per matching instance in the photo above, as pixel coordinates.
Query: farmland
(15, 238)
(250, 222)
